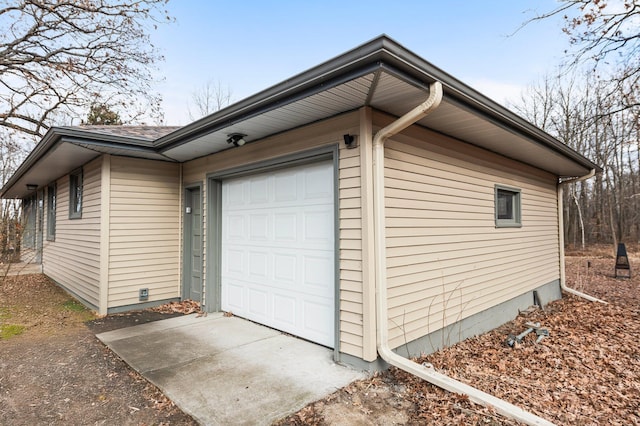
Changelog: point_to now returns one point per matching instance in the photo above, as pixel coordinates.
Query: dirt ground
(57, 373)
(586, 372)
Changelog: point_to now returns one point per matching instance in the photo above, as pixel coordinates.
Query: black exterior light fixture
(350, 141)
(32, 187)
(236, 138)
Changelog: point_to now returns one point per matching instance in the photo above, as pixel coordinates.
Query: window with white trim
(507, 207)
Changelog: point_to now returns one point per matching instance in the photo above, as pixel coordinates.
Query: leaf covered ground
(54, 370)
(586, 372)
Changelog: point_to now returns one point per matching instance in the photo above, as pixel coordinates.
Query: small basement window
(507, 206)
(75, 195)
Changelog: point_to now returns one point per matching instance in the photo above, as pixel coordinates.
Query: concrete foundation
(474, 325)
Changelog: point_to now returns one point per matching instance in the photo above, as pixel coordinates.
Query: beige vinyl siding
(144, 230)
(350, 220)
(316, 135)
(73, 259)
(446, 260)
(325, 133)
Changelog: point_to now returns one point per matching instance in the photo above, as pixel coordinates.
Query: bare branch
(208, 99)
(605, 35)
(58, 56)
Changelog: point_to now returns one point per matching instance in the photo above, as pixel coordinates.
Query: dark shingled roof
(147, 133)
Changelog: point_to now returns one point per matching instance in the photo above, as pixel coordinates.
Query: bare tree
(11, 154)
(208, 99)
(59, 56)
(605, 35)
(604, 210)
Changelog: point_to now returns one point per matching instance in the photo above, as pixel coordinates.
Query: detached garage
(371, 203)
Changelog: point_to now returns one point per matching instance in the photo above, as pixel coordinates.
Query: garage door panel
(234, 196)
(285, 269)
(233, 262)
(317, 313)
(307, 269)
(259, 227)
(285, 187)
(315, 316)
(318, 184)
(258, 265)
(258, 190)
(285, 229)
(258, 303)
(284, 312)
(278, 248)
(318, 227)
(234, 297)
(235, 228)
(317, 271)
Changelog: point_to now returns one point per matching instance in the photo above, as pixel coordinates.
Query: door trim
(213, 282)
(186, 241)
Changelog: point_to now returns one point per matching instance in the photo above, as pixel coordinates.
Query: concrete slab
(11, 269)
(225, 370)
(150, 327)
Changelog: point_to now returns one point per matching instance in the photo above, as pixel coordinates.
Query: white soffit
(394, 94)
(396, 97)
(60, 160)
(333, 101)
(461, 124)
(391, 94)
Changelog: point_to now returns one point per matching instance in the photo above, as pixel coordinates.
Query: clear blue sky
(251, 45)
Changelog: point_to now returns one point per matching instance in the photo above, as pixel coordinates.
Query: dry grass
(53, 370)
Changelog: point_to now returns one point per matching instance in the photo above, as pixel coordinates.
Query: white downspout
(425, 372)
(563, 279)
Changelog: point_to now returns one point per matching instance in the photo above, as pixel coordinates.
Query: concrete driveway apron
(225, 370)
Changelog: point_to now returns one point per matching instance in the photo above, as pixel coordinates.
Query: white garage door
(278, 250)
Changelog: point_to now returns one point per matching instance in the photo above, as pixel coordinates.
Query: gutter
(79, 137)
(563, 278)
(85, 138)
(425, 372)
(380, 53)
(47, 141)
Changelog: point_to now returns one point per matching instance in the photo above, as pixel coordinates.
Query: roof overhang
(380, 74)
(64, 149)
(383, 75)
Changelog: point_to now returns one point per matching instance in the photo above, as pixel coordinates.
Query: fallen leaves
(586, 372)
(183, 307)
(596, 277)
(589, 363)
